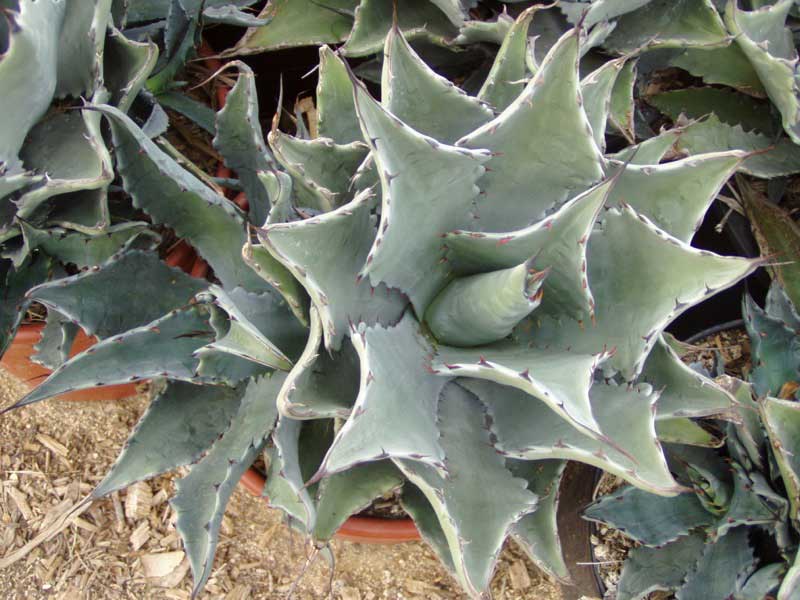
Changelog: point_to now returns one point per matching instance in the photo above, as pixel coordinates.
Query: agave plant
(735, 534)
(55, 167)
(738, 89)
(449, 294)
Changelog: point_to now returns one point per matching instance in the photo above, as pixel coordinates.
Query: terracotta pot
(364, 530)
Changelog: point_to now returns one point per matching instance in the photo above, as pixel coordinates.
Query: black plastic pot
(575, 494)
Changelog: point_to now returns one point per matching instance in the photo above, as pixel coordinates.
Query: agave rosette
(452, 294)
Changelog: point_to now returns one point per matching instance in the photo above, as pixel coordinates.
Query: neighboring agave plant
(452, 294)
(55, 168)
(774, 344)
(743, 95)
(736, 534)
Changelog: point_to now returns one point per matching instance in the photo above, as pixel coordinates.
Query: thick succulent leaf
(419, 204)
(325, 254)
(336, 111)
(723, 564)
(650, 152)
(298, 449)
(775, 350)
(732, 108)
(782, 421)
(750, 433)
(780, 306)
(129, 290)
(163, 348)
(484, 308)
(321, 384)
(427, 522)
(685, 393)
(53, 347)
(241, 143)
(346, 493)
(509, 72)
(171, 195)
(642, 275)
(528, 429)
(417, 19)
(278, 277)
(28, 73)
(778, 235)
(69, 148)
(456, 10)
(769, 46)
(771, 159)
(182, 422)
(395, 387)
(647, 570)
(196, 111)
(422, 99)
(537, 532)
(557, 243)
(255, 324)
(596, 90)
(295, 23)
(10, 184)
(13, 300)
(232, 15)
(753, 502)
(649, 519)
(596, 11)
(791, 582)
(80, 47)
(321, 170)
(86, 211)
(622, 102)
(279, 187)
(475, 525)
(726, 65)
(85, 250)
(676, 195)
(668, 24)
(762, 582)
(493, 32)
(180, 33)
(219, 367)
(682, 430)
(561, 380)
(269, 315)
(202, 495)
(525, 181)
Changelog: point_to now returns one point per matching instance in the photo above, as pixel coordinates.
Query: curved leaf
(180, 425)
(524, 180)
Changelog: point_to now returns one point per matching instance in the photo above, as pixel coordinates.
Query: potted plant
(443, 292)
(741, 513)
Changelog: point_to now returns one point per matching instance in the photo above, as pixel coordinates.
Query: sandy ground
(53, 453)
